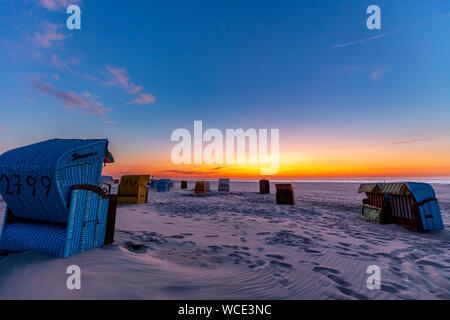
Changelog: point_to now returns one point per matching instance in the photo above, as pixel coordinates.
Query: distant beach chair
(153, 183)
(133, 189)
(184, 185)
(53, 196)
(170, 185)
(200, 187)
(224, 185)
(264, 186)
(208, 188)
(285, 194)
(375, 207)
(414, 205)
(163, 185)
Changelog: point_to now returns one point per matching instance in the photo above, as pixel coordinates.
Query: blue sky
(137, 70)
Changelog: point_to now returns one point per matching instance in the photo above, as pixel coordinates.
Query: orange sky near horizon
(421, 159)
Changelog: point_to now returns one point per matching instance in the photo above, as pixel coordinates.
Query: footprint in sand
(275, 256)
(326, 270)
(347, 254)
(311, 251)
(280, 264)
(135, 247)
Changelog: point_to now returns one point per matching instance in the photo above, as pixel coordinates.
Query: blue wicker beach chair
(54, 202)
(414, 205)
(163, 185)
(153, 183)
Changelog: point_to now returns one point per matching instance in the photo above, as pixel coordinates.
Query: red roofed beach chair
(285, 194)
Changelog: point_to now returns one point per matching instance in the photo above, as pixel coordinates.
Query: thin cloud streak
(48, 36)
(350, 43)
(414, 140)
(121, 79)
(144, 99)
(56, 5)
(70, 100)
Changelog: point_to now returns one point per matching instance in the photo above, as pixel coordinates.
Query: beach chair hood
(36, 180)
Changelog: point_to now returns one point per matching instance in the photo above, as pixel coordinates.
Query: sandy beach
(242, 245)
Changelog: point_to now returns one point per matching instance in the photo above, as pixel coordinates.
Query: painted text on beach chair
(224, 185)
(414, 205)
(133, 189)
(264, 186)
(54, 202)
(285, 194)
(375, 208)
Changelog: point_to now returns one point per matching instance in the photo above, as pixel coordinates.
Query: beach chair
(184, 185)
(375, 207)
(285, 194)
(163, 185)
(224, 185)
(264, 186)
(414, 205)
(200, 187)
(153, 183)
(53, 196)
(133, 189)
(208, 188)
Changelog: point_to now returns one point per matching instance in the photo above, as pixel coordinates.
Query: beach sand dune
(241, 245)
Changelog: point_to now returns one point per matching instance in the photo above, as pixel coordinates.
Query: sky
(349, 102)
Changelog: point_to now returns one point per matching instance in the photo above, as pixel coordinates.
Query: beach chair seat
(224, 185)
(285, 194)
(264, 186)
(133, 189)
(200, 187)
(54, 202)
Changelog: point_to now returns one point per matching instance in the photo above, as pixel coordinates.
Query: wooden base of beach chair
(132, 199)
(285, 197)
(111, 220)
